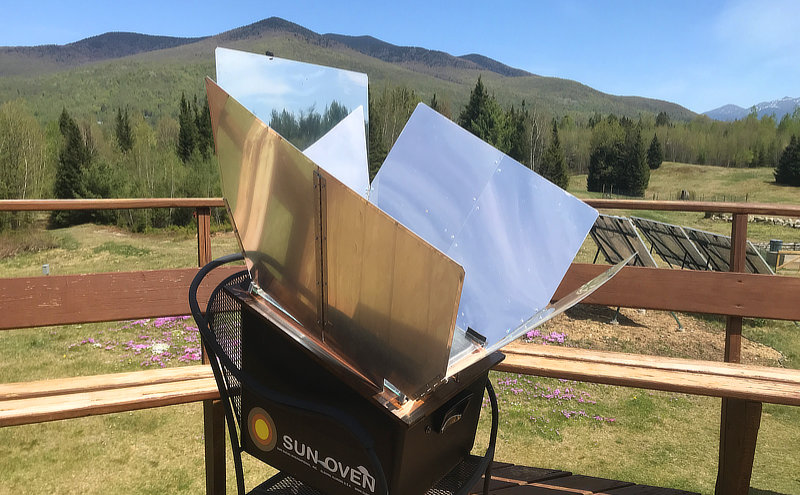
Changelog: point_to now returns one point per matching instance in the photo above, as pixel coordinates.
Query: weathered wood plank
(96, 383)
(41, 301)
(740, 421)
(689, 366)
(738, 294)
(60, 300)
(784, 391)
(77, 405)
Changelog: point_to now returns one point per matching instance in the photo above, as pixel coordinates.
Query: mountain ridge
(123, 68)
(779, 108)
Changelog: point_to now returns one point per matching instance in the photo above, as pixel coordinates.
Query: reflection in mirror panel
(514, 232)
(298, 100)
(342, 149)
(305, 103)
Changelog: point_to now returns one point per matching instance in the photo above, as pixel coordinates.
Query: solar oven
(388, 301)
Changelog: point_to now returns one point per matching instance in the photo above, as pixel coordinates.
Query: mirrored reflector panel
(514, 232)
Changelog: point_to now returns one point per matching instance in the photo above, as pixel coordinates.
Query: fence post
(740, 419)
(213, 410)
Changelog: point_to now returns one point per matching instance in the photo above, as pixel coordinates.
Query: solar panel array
(617, 239)
(717, 250)
(672, 244)
(679, 247)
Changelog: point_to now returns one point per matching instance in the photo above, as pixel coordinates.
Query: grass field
(636, 435)
(707, 183)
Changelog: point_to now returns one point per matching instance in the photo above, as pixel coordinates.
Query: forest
(137, 156)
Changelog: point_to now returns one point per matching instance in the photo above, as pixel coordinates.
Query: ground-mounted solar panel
(617, 238)
(672, 244)
(717, 250)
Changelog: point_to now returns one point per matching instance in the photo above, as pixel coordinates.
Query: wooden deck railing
(41, 301)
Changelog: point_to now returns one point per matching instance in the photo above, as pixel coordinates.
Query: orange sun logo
(262, 429)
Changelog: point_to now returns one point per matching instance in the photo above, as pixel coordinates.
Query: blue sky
(700, 54)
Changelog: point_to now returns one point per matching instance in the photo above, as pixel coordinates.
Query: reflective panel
(549, 312)
(514, 232)
(301, 101)
(391, 296)
(269, 189)
(361, 285)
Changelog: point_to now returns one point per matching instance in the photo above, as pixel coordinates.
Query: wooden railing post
(203, 235)
(213, 410)
(740, 419)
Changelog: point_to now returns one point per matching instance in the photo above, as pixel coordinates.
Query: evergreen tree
(514, 136)
(122, 131)
(187, 134)
(202, 122)
(481, 115)
(662, 119)
(655, 155)
(633, 174)
(606, 149)
(73, 157)
(554, 166)
(788, 170)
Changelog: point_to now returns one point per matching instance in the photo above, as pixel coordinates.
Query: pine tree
(554, 166)
(205, 137)
(187, 134)
(122, 131)
(607, 144)
(514, 136)
(481, 115)
(634, 164)
(788, 170)
(73, 158)
(655, 155)
(662, 119)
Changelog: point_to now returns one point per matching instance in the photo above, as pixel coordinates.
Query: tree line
(136, 156)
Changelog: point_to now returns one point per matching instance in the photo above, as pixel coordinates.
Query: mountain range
(778, 108)
(95, 76)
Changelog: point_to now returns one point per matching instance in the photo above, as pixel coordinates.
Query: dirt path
(652, 332)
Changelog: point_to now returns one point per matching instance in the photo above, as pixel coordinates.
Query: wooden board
(61, 386)
(65, 299)
(773, 385)
(76, 405)
(738, 294)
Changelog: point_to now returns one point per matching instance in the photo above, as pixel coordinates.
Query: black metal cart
(295, 412)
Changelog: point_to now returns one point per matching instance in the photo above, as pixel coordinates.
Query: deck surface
(509, 479)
